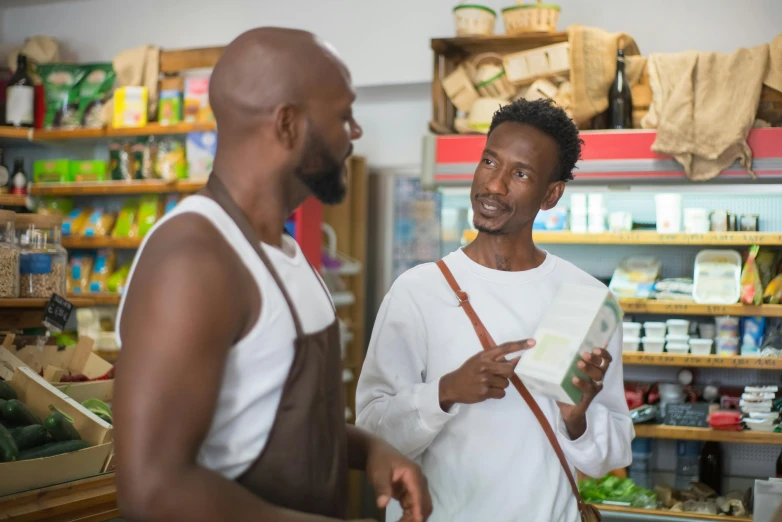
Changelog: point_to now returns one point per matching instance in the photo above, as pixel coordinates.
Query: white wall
(386, 44)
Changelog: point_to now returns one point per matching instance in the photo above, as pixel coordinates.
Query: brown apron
(304, 463)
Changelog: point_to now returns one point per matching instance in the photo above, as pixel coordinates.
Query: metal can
(750, 222)
(733, 222)
(719, 221)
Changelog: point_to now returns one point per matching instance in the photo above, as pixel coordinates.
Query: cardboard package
(580, 319)
(24, 475)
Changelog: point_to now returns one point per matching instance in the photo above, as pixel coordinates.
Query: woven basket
(489, 76)
(474, 20)
(532, 18)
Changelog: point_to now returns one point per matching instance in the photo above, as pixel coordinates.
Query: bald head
(268, 67)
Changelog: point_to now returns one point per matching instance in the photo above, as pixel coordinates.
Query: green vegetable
(53, 448)
(615, 489)
(6, 392)
(15, 411)
(60, 427)
(99, 408)
(8, 450)
(30, 437)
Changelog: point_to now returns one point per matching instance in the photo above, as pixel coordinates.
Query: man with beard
(228, 400)
(429, 388)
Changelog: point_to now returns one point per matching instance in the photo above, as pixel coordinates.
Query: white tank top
(257, 366)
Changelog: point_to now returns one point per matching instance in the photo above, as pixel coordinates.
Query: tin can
(719, 221)
(750, 222)
(733, 222)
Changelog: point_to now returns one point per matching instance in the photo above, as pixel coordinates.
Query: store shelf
(701, 361)
(100, 242)
(655, 431)
(14, 133)
(667, 514)
(109, 188)
(97, 299)
(342, 299)
(13, 200)
(648, 306)
(104, 133)
(78, 302)
(653, 238)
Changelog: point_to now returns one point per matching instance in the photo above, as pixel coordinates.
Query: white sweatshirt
(489, 461)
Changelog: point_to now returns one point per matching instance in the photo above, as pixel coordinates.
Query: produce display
(616, 491)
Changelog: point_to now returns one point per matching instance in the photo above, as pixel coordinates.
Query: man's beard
(488, 230)
(321, 172)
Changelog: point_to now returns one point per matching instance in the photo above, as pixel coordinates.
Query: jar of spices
(43, 260)
(9, 256)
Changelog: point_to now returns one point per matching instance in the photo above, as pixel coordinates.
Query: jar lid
(7, 215)
(38, 220)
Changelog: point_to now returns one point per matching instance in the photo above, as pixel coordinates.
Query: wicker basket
(474, 20)
(532, 18)
(459, 88)
(489, 77)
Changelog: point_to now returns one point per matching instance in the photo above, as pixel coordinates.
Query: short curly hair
(547, 117)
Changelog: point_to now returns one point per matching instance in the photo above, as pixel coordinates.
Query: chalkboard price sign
(691, 415)
(57, 313)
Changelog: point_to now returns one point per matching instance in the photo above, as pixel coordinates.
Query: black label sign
(689, 415)
(57, 313)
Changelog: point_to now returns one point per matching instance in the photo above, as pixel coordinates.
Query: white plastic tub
(653, 344)
(678, 348)
(701, 346)
(653, 329)
(717, 277)
(678, 326)
(668, 209)
(631, 330)
(677, 339)
(630, 344)
(727, 326)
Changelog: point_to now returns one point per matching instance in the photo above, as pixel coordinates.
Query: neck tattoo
(502, 263)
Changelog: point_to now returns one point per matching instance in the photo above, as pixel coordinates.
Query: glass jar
(9, 256)
(43, 260)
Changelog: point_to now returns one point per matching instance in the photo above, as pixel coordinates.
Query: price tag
(57, 313)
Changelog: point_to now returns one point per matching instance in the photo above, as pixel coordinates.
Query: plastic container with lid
(43, 260)
(701, 346)
(654, 329)
(630, 344)
(727, 326)
(631, 329)
(9, 256)
(717, 277)
(678, 348)
(653, 344)
(678, 326)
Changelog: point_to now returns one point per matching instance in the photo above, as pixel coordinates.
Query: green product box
(87, 171)
(51, 171)
(170, 107)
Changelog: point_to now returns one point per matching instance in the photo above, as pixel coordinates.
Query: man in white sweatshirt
(429, 389)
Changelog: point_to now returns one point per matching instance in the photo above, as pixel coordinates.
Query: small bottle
(5, 176)
(19, 179)
(687, 464)
(620, 99)
(711, 466)
(20, 96)
(779, 466)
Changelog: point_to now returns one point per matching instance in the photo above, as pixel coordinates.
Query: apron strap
(223, 198)
(487, 342)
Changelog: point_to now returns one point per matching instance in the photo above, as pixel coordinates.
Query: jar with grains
(42, 259)
(9, 256)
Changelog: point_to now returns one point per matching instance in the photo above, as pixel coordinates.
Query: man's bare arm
(183, 311)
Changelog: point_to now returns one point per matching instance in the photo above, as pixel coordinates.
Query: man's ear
(553, 195)
(287, 125)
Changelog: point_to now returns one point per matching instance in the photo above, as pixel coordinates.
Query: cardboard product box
(87, 171)
(25, 475)
(580, 319)
(51, 171)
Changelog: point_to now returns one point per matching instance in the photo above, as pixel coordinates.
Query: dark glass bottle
(779, 465)
(620, 99)
(19, 179)
(20, 96)
(711, 466)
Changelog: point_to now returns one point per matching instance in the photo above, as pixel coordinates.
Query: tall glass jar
(9, 256)
(43, 260)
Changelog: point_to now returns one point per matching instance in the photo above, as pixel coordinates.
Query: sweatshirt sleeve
(393, 398)
(605, 445)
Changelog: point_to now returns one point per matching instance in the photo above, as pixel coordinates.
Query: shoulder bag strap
(487, 342)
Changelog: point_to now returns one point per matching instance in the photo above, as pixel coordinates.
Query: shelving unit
(12, 200)
(651, 238)
(116, 188)
(102, 299)
(673, 515)
(655, 431)
(42, 135)
(648, 306)
(101, 242)
(701, 361)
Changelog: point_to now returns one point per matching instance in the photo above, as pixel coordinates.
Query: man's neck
(506, 252)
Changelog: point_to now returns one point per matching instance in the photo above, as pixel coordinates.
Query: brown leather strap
(487, 342)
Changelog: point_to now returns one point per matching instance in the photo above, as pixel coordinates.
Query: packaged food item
(137, 151)
(580, 319)
(148, 213)
(717, 277)
(74, 222)
(79, 273)
(197, 107)
(42, 261)
(117, 281)
(751, 289)
(126, 226)
(773, 292)
(149, 151)
(727, 326)
(753, 329)
(115, 157)
(55, 206)
(98, 224)
(170, 107)
(766, 261)
(9, 256)
(95, 89)
(130, 107)
(172, 200)
(553, 219)
(200, 151)
(87, 171)
(104, 266)
(171, 163)
(51, 171)
(636, 276)
(61, 94)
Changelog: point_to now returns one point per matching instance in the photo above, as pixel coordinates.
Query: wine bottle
(19, 179)
(711, 466)
(20, 96)
(620, 99)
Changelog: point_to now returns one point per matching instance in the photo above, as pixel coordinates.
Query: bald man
(228, 400)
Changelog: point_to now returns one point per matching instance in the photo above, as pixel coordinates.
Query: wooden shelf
(97, 299)
(673, 514)
(701, 361)
(500, 43)
(655, 431)
(649, 306)
(100, 242)
(653, 238)
(13, 200)
(109, 188)
(42, 135)
(15, 133)
(79, 302)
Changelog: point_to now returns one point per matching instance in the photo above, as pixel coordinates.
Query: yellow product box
(130, 107)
